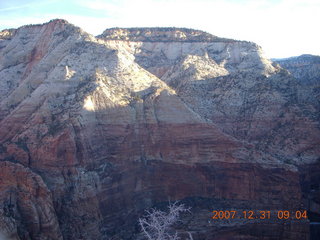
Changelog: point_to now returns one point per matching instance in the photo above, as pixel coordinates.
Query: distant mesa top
(157, 34)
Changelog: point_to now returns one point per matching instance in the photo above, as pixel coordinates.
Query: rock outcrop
(94, 130)
(27, 210)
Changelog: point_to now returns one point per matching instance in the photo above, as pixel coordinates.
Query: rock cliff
(94, 130)
(306, 69)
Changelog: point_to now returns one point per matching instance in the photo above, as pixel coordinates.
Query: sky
(283, 28)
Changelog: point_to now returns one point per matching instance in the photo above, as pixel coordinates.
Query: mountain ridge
(183, 34)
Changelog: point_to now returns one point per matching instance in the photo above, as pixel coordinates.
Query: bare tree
(156, 224)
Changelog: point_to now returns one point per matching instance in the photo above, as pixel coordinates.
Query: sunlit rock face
(94, 130)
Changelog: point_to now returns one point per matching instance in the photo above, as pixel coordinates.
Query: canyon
(96, 130)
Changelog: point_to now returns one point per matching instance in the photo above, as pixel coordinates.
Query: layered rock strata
(94, 130)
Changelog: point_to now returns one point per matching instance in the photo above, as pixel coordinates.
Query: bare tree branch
(156, 224)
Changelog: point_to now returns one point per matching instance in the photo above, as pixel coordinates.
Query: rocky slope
(306, 69)
(94, 130)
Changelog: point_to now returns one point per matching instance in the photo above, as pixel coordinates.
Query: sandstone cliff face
(306, 69)
(108, 126)
(26, 205)
(231, 84)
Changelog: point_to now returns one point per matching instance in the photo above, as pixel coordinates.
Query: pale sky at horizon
(283, 28)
